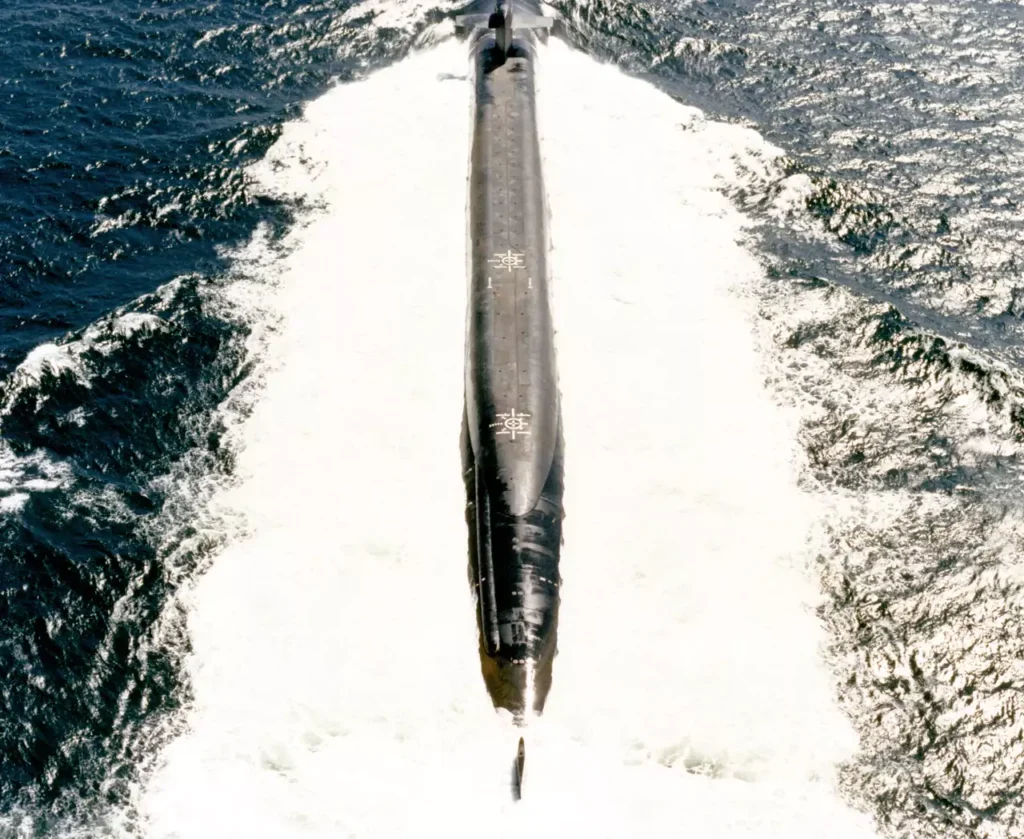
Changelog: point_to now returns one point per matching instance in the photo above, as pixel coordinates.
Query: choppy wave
(172, 233)
(916, 439)
(891, 322)
(119, 398)
(684, 695)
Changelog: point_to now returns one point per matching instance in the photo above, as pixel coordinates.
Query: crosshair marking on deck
(510, 259)
(513, 424)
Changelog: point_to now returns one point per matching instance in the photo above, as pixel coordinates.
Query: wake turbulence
(512, 433)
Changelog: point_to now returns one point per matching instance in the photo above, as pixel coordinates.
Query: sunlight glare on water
(335, 674)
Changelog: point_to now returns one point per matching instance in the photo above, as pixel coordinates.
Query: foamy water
(334, 666)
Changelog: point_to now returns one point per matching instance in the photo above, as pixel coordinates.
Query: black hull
(513, 569)
(512, 444)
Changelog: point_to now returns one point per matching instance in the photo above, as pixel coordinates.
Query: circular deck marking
(512, 424)
(510, 259)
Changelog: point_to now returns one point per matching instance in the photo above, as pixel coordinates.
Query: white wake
(336, 682)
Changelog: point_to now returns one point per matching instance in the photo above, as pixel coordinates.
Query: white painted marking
(510, 259)
(513, 424)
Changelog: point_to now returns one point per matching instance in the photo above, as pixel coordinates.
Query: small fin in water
(520, 764)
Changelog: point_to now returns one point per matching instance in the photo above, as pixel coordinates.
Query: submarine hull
(512, 433)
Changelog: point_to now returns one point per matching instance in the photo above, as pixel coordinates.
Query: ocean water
(785, 265)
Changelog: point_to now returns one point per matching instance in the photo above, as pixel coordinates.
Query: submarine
(512, 446)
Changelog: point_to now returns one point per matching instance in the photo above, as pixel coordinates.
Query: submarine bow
(512, 431)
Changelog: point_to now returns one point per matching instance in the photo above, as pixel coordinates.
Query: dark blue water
(897, 302)
(124, 129)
